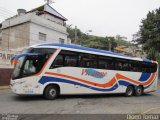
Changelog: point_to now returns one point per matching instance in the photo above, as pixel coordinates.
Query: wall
(5, 76)
(52, 35)
(5, 66)
(5, 58)
(20, 33)
(52, 18)
(15, 37)
(0, 39)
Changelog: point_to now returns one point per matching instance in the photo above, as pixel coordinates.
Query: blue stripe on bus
(145, 77)
(85, 48)
(146, 60)
(25, 54)
(46, 79)
(91, 49)
(124, 83)
(150, 83)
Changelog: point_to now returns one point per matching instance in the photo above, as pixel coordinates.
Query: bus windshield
(31, 64)
(16, 72)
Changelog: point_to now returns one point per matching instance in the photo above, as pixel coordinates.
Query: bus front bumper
(21, 89)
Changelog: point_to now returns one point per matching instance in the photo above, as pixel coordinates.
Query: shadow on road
(62, 97)
(97, 96)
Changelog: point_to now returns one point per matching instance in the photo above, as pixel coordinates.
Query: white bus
(56, 69)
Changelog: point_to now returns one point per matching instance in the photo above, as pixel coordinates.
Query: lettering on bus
(93, 73)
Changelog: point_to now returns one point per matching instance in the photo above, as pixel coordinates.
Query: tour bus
(60, 69)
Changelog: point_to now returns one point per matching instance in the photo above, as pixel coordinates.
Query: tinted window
(87, 60)
(70, 60)
(65, 58)
(135, 66)
(105, 62)
(58, 62)
(76, 59)
(149, 67)
(121, 64)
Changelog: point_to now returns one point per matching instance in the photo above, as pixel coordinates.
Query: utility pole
(9, 35)
(49, 1)
(110, 45)
(86, 33)
(75, 34)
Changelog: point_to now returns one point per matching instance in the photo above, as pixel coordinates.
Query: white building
(0, 35)
(40, 25)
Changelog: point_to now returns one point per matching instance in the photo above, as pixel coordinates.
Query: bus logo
(93, 73)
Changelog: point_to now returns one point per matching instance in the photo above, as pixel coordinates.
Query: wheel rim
(52, 92)
(130, 91)
(139, 91)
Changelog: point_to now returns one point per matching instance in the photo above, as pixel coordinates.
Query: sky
(103, 17)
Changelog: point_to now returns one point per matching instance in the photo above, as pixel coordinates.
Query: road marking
(150, 109)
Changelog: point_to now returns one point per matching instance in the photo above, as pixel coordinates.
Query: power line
(7, 10)
(5, 13)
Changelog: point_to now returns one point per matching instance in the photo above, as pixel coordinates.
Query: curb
(4, 87)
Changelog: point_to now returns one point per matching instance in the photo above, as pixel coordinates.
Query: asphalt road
(88, 104)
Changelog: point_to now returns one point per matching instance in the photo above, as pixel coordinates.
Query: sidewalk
(4, 87)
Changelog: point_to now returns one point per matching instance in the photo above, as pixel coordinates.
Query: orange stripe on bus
(108, 84)
(119, 76)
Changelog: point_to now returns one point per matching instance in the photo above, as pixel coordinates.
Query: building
(40, 25)
(132, 50)
(0, 35)
(124, 50)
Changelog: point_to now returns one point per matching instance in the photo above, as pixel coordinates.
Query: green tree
(149, 33)
(150, 53)
(120, 41)
(95, 41)
(71, 35)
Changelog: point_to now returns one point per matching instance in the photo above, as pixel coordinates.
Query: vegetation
(120, 41)
(92, 41)
(149, 34)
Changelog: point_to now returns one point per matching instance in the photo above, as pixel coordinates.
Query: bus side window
(153, 67)
(87, 60)
(105, 62)
(134, 66)
(145, 68)
(70, 61)
(125, 66)
(118, 64)
(149, 67)
(102, 64)
(58, 62)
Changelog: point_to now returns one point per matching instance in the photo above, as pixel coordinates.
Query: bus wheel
(51, 92)
(129, 91)
(138, 91)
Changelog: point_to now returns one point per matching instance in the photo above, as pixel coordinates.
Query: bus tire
(129, 91)
(138, 91)
(51, 92)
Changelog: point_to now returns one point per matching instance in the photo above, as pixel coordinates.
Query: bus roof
(77, 47)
